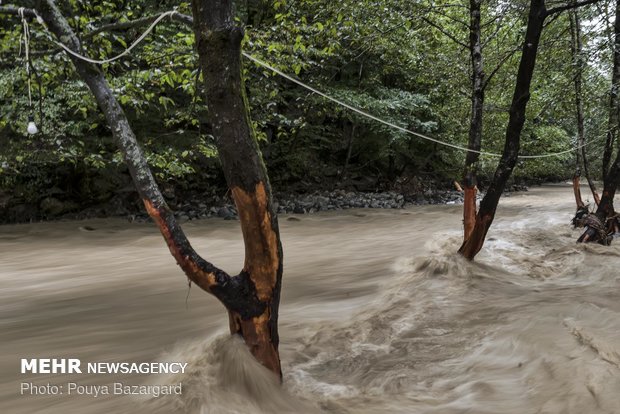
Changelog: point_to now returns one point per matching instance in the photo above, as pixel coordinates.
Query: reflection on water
(378, 315)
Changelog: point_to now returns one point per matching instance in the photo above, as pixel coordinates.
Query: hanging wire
(134, 44)
(26, 40)
(390, 124)
(308, 87)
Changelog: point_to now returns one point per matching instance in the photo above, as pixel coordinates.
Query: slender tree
(252, 296)
(614, 98)
(470, 187)
(577, 53)
(218, 41)
(538, 12)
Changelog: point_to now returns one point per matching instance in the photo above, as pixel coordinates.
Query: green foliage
(396, 59)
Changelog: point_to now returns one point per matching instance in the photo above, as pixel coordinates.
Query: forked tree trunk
(470, 179)
(252, 296)
(218, 41)
(521, 96)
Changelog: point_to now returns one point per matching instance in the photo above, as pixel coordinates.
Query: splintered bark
(470, 179)
(521, 96)
(576, 49)
(577, 190)
(252, 296)
(218, 41)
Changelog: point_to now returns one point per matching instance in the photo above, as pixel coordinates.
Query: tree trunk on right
(484, 218)
(470, 179)
(600, 226)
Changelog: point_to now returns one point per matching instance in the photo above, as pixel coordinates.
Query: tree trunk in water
(252, 297)
(475, 127)
(218, 41)
(611, 173)
(576, 49)
(521, 96)
(577, 189)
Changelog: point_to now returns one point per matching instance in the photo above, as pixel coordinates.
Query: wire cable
(313, 90)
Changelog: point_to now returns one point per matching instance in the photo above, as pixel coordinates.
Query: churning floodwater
(378, 314)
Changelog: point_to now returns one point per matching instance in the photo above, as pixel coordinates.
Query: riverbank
(377, 314)
(200, 206)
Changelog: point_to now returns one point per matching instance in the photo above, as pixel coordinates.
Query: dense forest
(406, 63)
(219, 107)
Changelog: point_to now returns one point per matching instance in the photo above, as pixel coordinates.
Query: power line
(390, 124)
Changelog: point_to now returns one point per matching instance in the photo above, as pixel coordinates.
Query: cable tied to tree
(25, 38)
(309, 88)
(126, 51)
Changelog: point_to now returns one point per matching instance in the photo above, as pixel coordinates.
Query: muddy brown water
(378, 315)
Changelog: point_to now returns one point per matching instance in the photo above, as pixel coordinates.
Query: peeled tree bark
(252, 296)
(218, 42)
(470, 180)
(538, 12)
(577, 186)
(521, 96)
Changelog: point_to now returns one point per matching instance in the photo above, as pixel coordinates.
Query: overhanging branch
(143, 21)
(445, 33)
(13, 10)
(569, 6)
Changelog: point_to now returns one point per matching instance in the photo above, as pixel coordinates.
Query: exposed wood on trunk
(209, 275)
(218, 41)
(469, 211)
(576, 49)
(253, 296)
(577, 190)
(470, 179)
(521, 96)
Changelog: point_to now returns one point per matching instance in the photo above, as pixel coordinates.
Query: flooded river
(378, 315)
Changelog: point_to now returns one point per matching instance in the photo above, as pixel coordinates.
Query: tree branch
(499, 65)
(445, 33)
(15, 11)
(233, 291)
(560, 9)
(143, 21)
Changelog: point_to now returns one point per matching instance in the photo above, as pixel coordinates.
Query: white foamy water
(378, 314)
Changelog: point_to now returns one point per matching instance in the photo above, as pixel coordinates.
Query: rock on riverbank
(200, 206)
